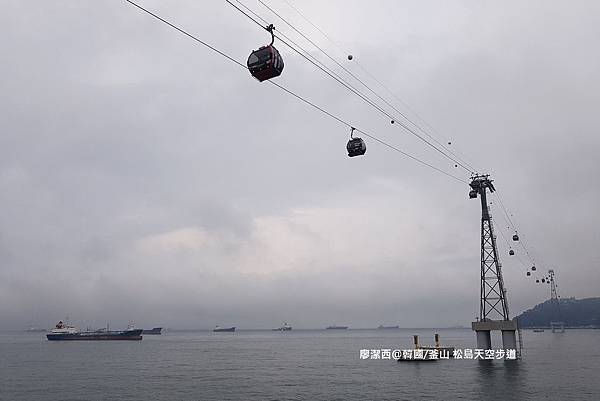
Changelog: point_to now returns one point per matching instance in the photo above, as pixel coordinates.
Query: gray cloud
(144, 177)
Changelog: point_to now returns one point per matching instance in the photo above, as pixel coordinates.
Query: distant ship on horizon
(285, 327)
(219, 329)
(35, 330)
(334, 327)
(382, 327)
(156, 331)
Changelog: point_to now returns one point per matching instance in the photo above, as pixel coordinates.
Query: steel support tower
(492, 300)
(493, 305)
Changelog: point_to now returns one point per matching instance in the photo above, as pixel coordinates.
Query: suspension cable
(472, 169)
(306, 101)
(351, 88)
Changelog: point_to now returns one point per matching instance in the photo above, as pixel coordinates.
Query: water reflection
(501, 379)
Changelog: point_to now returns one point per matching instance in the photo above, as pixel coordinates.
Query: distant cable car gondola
(543, 280)
(266, 62)
(355, 146)
(511, 252)
(529, 273)
(515, 237)
(537, 281)
(533, 268)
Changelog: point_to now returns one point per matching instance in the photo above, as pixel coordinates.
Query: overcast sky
(144, 177)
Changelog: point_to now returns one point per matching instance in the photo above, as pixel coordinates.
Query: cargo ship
(219, 329)
(285, 327)
(64, 332)
(334, 327)
(156, 331)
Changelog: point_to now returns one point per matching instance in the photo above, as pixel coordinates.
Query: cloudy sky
(144, 177)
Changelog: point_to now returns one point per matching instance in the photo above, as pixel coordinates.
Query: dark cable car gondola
(511, 252)
(266, 62)
(537, 281)
(355, 146)
(529, 273)
(543, 280)
(515, 237)
(533, 268)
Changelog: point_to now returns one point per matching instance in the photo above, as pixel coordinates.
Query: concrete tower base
(509, 339)
(484, 339)
(483, 331)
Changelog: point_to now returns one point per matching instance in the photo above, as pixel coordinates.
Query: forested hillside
(573, 312)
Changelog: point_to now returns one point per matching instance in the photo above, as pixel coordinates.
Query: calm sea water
(297, 365)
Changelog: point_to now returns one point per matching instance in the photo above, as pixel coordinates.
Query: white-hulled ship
(285, 327)
(219, 329)
(33, 329)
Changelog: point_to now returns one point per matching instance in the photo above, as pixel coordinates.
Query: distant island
(575, 313)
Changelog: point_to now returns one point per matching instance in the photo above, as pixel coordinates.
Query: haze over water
(298, 365)
(145, 177)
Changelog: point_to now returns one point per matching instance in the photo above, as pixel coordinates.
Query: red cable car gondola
(266, 62)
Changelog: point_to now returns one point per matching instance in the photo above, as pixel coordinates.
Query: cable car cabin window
(259, 58)
(252, 60)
